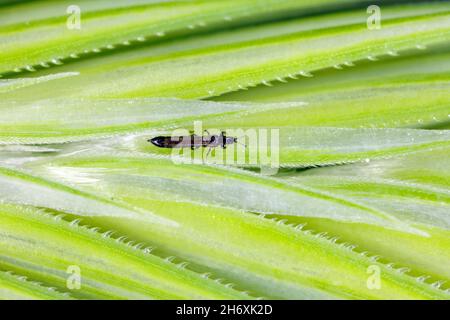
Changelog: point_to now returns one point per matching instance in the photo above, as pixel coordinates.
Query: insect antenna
(237, 141)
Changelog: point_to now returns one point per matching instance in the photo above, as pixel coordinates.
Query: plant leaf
(13, 287)
(48, 39)
(44, 247)
(212, 71)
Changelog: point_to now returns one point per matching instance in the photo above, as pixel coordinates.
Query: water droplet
(306, 74)
(403, 270)
(121, 239)
(422, 278)
(74, 222)
(393, 53)
(160, 34)
(170, 259)
(56, 61)
(148, 250)
(438, 284)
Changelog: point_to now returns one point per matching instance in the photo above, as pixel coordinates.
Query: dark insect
(194, 141)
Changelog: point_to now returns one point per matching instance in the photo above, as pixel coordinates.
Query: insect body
(194, 141)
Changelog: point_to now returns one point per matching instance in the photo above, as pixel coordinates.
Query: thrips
(194, 141)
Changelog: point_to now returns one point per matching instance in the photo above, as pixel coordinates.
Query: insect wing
(171, 142)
